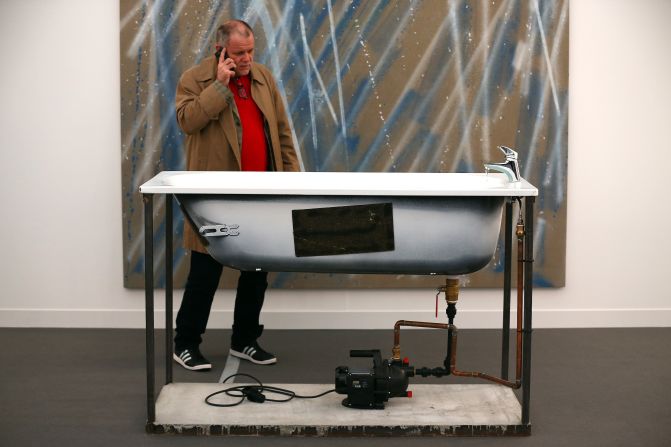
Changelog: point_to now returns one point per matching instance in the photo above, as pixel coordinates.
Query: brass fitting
(396, 352)
(452, 290)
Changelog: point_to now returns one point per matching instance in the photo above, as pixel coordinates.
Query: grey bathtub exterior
(428, 235)
(345, 222)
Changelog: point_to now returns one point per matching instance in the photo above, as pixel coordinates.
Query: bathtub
(389, 223)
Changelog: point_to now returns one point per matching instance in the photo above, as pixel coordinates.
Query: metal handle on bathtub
(219, 230)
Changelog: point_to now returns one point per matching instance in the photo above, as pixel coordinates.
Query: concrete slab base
(433, 410)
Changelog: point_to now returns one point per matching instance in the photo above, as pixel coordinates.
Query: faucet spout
(510, 167)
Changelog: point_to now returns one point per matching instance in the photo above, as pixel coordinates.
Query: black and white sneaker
(192, 359)
(255, 354)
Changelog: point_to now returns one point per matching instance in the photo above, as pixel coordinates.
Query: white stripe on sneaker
(180, 359)
(249, 351)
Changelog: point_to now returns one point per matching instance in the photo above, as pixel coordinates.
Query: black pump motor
(371, 388)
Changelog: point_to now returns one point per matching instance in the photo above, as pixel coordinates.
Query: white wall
(60, 232)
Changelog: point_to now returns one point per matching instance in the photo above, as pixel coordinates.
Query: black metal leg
(149, 301)
(507, 273)
(528, 288)
(168, 288)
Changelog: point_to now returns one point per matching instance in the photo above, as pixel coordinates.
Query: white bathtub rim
(337, 183)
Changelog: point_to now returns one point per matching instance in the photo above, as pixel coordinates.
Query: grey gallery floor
(83, 387)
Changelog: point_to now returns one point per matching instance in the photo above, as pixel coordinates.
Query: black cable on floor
(255, 393)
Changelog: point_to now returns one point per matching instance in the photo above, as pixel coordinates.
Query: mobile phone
(218, 53)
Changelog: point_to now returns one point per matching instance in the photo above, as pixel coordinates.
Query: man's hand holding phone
(225, 67)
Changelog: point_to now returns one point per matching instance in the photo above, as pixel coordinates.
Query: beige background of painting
(428, 39)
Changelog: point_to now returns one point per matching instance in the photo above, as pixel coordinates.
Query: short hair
(233, 26)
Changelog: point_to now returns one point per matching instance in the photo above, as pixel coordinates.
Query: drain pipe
(451, 290)
(451, 296)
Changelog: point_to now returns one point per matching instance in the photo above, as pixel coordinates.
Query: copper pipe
(396, 350)
(453, 368)
(519, 232)
(451, 290)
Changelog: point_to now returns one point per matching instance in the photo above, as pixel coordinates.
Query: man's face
(241, 50)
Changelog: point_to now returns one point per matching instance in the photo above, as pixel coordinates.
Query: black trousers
(201, 285)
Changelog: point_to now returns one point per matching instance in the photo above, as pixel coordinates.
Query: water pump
(370, 388)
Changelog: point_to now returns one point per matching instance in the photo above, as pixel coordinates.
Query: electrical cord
(254, 393)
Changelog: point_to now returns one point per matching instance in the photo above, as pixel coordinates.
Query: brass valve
(519, 230)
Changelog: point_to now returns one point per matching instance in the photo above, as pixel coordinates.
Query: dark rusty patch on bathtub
(342, 230)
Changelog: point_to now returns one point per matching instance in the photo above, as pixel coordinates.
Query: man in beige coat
(233, 116)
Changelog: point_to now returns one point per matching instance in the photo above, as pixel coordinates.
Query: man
(232, 114)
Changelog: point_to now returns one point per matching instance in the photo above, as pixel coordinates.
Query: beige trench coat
(207, 114)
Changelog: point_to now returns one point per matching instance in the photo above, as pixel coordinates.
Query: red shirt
(254, 151)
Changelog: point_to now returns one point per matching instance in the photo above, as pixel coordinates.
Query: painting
(389, 86)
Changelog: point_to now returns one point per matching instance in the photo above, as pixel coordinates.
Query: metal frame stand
(149, 298)
(528, 299)
(523, 429)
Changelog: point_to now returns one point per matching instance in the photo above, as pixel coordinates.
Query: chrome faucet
(511, 168)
